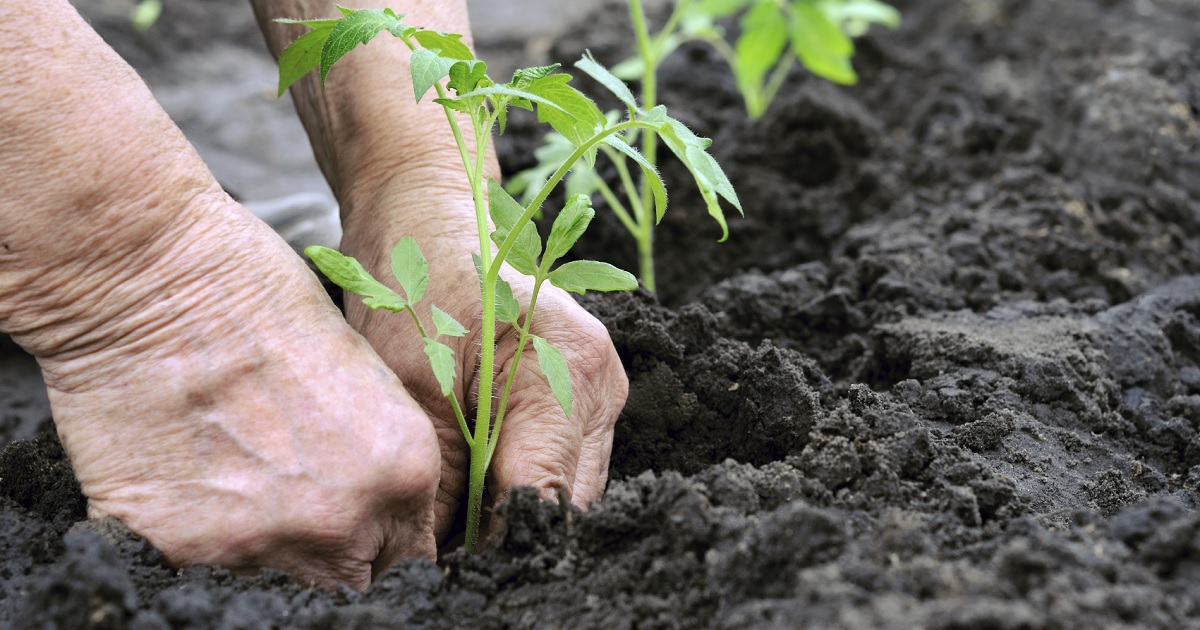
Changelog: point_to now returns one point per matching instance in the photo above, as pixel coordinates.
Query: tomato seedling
(774, 35)
(441, 62)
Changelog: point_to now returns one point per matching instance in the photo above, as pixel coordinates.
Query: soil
(945, 373)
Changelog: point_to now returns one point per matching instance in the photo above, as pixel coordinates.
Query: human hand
(206, 391)
(393, 167)
(538, 445)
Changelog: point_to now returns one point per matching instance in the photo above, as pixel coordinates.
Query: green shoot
(441, 62)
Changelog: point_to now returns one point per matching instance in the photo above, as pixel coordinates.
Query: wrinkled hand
(538, 445)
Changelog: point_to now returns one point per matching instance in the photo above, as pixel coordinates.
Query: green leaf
(652, 175)
(568, 226)
(554, 368)
(410, 268)
(456, 104)
(145, 14)
(505, 212)
(466, 76)
(428, 68)
(720, 8)
(866, 11)
(349, 274)
(594, 69)
(478, 262)
(821, 45)
(522, 76)
(710, 179)
(447, 325)
(508, 309)
(304, 54)
(629, 70)
(549, 156)
(581, 276)
(441, 358)
(449, 44)
(764, 38)
(574, 115)
(357, 27)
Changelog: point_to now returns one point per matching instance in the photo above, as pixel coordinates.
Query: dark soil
(945, 374)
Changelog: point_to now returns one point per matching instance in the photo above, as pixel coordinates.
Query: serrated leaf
(304, 54)
(594, 69)
(450, 45)
(652, 176)
(710, 179)
(428, 68)
(568, 226)
(505, 212)
(581, 276)
(410, 268)
(508, 309)
(456, 104)
(357, 27)
(478, 262)
(447, 325)
(501, 90)
(704, 164)
(523, 76)
(574, 115)
(821, 45)
(392, 302)
(554, 368)
(349, 274)
(441, 358)
(466, 76)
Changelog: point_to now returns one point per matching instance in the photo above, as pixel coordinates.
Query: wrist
(363, 123)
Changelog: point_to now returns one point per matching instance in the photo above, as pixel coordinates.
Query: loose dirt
(945, 373)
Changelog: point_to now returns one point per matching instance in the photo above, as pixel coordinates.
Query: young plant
(774, 35)
(441, 62)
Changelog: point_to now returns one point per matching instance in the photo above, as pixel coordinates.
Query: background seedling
(441, 62)
(774, 34)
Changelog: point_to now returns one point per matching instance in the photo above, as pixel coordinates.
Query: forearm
(366, 130)
(97, 178)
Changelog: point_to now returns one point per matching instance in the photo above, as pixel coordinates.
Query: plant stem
(522, 339)
(483, 436)
(618, 208)
(631, 190)
(774, 82)
(649, 54)
(553, 181)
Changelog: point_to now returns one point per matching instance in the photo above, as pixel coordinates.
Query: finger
(537, 445)
(591, 476)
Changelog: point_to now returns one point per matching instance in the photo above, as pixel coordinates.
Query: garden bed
(945, 373)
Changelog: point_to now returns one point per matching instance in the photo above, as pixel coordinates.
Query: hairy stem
(522, 340)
